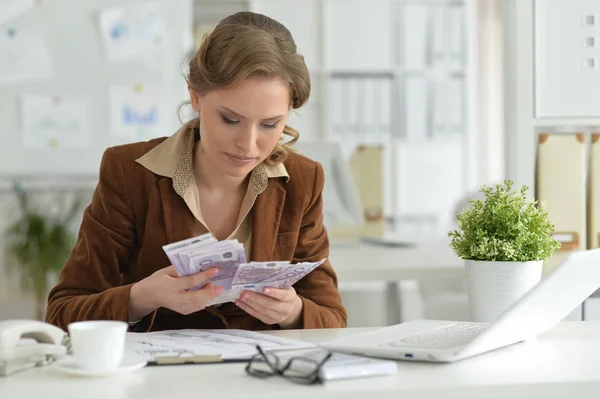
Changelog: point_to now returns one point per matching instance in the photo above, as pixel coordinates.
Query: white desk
(562, 363)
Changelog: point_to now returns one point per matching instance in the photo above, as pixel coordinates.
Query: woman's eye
(267, 126)
(229, 121)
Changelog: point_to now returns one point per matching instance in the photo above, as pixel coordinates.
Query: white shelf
(361, 71)
(582, 122)
(432, 2)
(432, 73)
(364, 41)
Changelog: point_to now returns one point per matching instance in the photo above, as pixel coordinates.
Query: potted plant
(38, 244)
(504, 239)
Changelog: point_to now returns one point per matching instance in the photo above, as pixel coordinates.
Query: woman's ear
(195, 100)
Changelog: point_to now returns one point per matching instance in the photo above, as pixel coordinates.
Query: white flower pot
(493, 287)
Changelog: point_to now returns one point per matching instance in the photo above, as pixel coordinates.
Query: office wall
(359, 301)
(80, 67)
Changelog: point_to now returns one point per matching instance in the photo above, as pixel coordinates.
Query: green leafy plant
(37, 245)
(505, 226)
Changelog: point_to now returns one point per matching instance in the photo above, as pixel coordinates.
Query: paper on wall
(132, 32)
(136, 111)
(11, 9)
(54, 122)
(23, 56)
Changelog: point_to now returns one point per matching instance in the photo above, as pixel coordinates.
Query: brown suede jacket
(134, 212)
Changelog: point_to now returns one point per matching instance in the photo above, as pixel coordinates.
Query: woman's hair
(247, 44)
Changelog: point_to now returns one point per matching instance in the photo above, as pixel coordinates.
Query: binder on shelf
(439, 47)
(594, 194)
(353, 92)
(561, 185)
(417, 109)
(337, 104)
(416, 35)
(440, 112)
(384, 106)
(455, 19)
(369, 120)
(455, 89)
(367, 170)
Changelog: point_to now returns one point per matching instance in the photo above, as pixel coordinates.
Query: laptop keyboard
(440, 338)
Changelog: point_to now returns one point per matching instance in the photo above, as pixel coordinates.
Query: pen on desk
(200, 359)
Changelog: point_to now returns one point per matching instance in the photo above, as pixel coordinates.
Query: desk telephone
(29, 343)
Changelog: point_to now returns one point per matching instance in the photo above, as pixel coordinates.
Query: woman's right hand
(164, 288)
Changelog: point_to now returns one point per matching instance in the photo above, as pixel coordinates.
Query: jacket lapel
(177, 218)
(265, 221)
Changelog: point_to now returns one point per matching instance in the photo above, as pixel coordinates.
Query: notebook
(340, 366)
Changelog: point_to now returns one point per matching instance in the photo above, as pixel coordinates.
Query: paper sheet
(23, 56)
(54, 122)
(430, 177)
(137, 111)
(132, 32)
(230, 344)
(340, 366)
(11, 9)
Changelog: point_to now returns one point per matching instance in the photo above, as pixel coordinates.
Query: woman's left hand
(273, 306)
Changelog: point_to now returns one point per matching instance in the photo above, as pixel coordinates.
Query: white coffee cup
(98, 345)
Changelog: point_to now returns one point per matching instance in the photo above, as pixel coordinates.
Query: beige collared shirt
(174, 158)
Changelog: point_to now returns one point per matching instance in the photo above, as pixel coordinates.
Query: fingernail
(267, 291)
(214, 271)
(245, 297)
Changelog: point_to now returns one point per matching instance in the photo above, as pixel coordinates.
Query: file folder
(594, 193)
(561, 186)
(367, 171)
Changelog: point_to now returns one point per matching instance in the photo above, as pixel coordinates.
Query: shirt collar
(173, 158)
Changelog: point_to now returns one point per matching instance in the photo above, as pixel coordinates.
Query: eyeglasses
(298, 369)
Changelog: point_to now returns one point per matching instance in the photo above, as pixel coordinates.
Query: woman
(226, 173)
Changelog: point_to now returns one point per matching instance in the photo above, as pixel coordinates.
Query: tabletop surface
(559, 363)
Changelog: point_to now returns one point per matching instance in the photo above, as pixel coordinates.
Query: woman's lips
(240, 159)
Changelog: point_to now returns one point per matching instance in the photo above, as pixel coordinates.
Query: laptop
(536, 312)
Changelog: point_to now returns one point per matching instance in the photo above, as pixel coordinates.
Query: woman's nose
(246, 140)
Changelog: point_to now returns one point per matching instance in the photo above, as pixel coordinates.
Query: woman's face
(241, 125)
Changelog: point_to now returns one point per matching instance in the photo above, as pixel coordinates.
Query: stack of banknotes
(235, 273)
